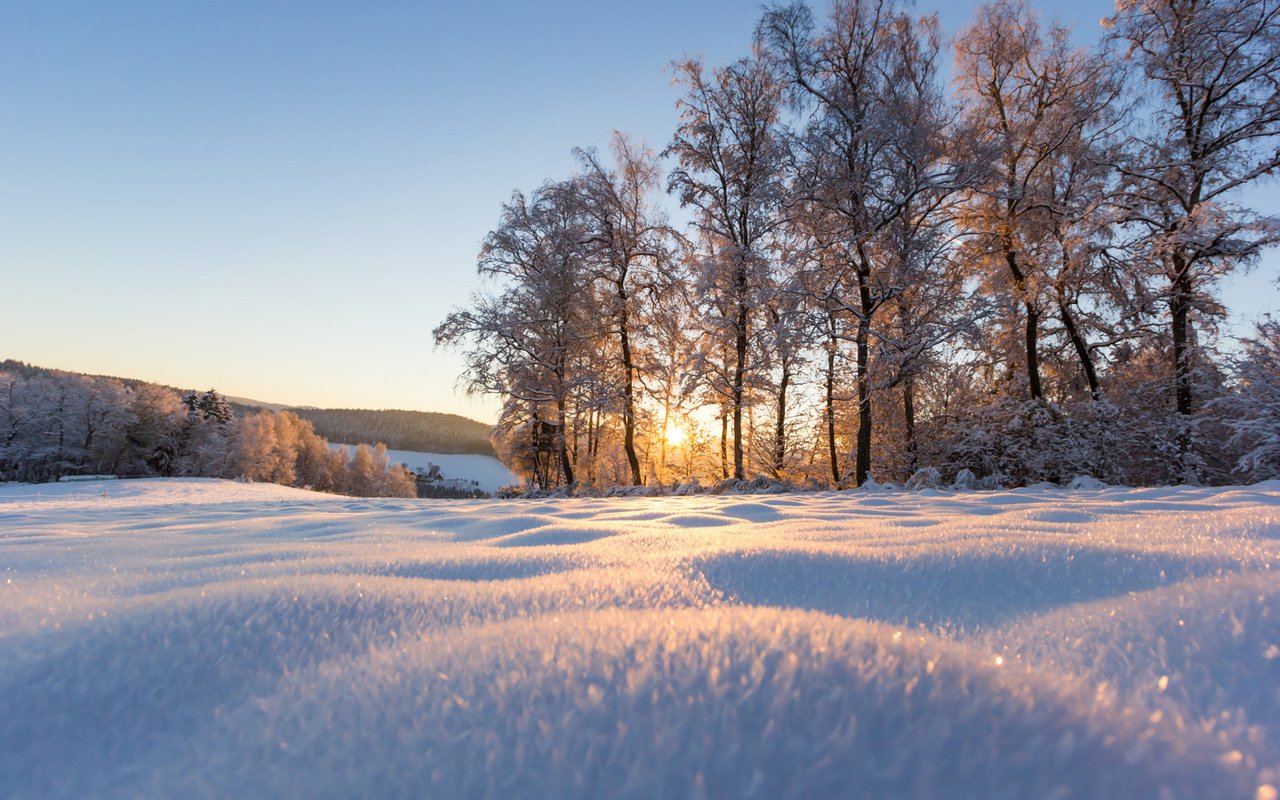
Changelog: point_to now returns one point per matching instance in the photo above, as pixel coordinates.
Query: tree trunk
(724, 443)
(780, 431)
(831, 414)
(593, 443)
(739, 375)
(909, 413)
(1033, 320)
(1081, 347)
(1180, 311)
(628, 389)
(862, 464)
(539, 472)
(629, 412)
(1033, 353)
(566, 465)
(862, 461)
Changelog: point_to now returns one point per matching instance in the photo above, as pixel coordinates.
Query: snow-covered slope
(487, 471)
(212, 639)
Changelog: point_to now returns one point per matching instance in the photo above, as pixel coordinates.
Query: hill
(421, 431)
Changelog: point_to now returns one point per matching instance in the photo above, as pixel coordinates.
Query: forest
(55, 424)
(997, 257)
(419, 431)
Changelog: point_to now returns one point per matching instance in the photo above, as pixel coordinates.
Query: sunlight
(675, 434)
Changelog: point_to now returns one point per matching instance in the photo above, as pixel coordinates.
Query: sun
(675, 434)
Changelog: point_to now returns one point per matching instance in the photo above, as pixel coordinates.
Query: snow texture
(203, 638)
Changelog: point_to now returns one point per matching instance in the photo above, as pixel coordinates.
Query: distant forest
(55, 424)
(420, 431)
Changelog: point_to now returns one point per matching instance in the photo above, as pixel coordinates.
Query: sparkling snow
(211, 639)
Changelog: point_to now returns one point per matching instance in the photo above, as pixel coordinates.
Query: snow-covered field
(215, 639)
(487, 471)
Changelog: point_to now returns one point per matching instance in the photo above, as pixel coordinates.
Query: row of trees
(1016, 277)
(419, 431)
(54, 424)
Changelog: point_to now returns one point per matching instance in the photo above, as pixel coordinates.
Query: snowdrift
(212, 639)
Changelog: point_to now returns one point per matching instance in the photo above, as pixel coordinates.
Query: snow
(209, 639)
(487, 471)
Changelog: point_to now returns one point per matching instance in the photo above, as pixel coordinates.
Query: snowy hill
(202, 638)
(487, 471)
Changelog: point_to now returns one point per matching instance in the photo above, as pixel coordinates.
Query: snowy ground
(487, 471)
(215, 639)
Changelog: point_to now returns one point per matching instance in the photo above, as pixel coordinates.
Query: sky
(281, 200)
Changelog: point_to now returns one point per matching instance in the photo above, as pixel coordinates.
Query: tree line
(418, 431)
(1017, 275)
(55, 424)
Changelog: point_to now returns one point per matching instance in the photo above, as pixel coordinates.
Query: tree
(207, 441)
(269, 446)
(869, 152)
(727, 155)
(525, 340)
(1253, 409)
(1213, 71)
(153, 435)
(1029, 101)
(627, 241)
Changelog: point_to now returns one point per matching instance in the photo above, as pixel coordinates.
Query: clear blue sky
(282, 199)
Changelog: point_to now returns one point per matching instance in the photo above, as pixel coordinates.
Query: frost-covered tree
(152, 437)
(869, 150)
(1031, 99)
(1212, 78)
(524, 339)
(628, 247)
(728, 157)
(207, 441)
(1253, 409)
(268, 448)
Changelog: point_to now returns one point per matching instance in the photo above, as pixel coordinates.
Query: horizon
(284, 201)
(232, 398)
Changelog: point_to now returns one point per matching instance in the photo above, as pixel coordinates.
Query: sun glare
(675, 434)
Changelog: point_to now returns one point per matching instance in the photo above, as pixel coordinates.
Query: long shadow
(946, 590)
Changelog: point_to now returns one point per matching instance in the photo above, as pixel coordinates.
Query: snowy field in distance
(487, 471)
(201, 638)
